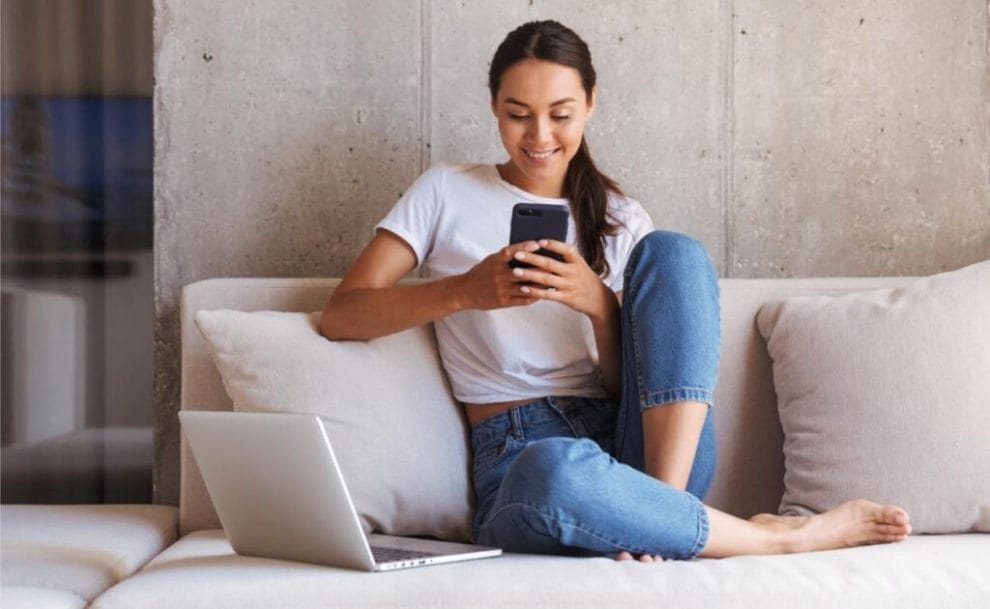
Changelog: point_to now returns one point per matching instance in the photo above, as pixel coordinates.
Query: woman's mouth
(540, 156)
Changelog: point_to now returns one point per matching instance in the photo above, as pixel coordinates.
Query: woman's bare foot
(852, 523)
(642, 557)
(780, 523)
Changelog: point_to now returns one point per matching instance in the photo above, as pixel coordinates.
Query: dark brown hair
(585, 186)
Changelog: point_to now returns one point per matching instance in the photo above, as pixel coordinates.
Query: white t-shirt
(453, 217)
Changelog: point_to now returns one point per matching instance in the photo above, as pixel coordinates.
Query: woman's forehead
(536, 82)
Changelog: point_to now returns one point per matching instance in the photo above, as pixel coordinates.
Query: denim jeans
(565, 474)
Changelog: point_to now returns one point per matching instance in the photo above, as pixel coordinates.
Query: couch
(200, 570)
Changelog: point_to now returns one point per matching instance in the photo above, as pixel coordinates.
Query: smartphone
(535, 221)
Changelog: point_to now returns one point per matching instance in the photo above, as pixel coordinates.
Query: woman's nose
(540, 131)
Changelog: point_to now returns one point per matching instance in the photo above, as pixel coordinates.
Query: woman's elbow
(330, 318)
(327, 328)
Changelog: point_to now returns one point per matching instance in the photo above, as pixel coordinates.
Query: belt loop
(516, 424)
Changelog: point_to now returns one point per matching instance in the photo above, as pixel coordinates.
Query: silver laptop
(279, 493)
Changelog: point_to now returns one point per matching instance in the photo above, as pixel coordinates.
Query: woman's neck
(552, 189)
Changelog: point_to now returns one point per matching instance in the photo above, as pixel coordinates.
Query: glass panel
(76, 225)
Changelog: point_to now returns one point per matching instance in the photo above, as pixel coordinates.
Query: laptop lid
(276, 487)
(279, 493)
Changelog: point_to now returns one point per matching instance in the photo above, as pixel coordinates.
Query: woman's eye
(521, 117)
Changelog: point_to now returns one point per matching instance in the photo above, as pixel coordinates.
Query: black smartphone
(535, 221)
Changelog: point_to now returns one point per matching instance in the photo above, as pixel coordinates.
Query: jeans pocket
(492, 453)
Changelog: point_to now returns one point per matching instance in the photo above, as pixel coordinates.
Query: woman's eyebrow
(512, 100)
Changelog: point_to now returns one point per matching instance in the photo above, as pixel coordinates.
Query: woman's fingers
(539, 277)
(568, 251)
(540, 261)
(509, 251)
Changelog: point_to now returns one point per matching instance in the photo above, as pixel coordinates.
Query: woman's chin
(541, 170)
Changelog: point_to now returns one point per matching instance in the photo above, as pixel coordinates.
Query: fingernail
(517, 272)
(525, 290)
(543, 242)
(520, 255)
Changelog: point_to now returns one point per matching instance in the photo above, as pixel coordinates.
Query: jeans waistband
(515, 420)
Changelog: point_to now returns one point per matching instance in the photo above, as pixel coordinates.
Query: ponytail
(587, 188)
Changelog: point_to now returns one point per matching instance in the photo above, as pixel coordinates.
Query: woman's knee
(671, 261)
(677, 252)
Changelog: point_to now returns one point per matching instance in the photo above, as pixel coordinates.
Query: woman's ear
(493, 108)
(591, 102)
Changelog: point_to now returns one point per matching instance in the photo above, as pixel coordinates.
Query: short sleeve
(637, 223)
(414, 217)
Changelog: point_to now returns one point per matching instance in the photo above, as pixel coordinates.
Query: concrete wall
(793, 138)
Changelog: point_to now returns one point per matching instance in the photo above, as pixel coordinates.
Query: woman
(591, 413)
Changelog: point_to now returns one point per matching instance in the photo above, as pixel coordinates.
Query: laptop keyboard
(385, 554)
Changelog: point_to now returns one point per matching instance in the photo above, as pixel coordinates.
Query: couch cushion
(26, 597)
(399, 436)
(80, 549)
(886, 395)
(200, 571)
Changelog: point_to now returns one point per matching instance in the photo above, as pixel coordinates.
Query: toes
(893, 529)
(890, 514)
(624, 555)
(894, 514)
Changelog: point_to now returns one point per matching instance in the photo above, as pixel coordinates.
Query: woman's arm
(367, 304)
(608, 339)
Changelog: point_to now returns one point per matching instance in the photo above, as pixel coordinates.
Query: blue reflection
(77, 173)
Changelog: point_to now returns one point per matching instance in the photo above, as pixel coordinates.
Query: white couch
(200, 570)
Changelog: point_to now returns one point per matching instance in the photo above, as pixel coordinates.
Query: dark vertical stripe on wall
(727, 136)
(425, 93)
(425, 86)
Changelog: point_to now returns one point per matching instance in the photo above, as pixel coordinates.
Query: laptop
(279, 493)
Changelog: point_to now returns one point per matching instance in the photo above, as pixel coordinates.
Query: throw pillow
(396, 430)
(885, 395)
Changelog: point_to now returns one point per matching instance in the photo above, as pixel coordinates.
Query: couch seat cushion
(201, 571)
(79, 549)
(28, 597)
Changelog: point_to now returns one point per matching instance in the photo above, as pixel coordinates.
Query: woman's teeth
(539, 156)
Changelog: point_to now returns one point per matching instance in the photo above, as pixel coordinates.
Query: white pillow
(400, 437)
(885, 395)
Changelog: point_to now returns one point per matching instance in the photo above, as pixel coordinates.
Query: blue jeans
(565, 474)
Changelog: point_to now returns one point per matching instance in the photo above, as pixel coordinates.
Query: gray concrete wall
(793, 138)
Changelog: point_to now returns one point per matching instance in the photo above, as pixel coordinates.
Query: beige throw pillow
(885, 395)
(400, 437)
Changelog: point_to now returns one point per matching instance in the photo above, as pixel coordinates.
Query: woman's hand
(490, 284)
(571, 282)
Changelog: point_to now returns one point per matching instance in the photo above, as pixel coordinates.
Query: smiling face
(541, 108)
